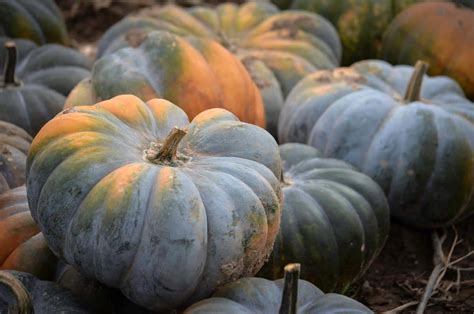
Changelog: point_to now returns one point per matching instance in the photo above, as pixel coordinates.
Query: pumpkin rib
(250, 191)
(364, 221)
(57, 169)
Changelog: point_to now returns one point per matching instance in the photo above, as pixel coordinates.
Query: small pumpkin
(440, 33)
(418, 146)
(195, 75)
(40, 21)
(289, 296)
(23, 246)
(360, 23)
(27, 294)
(14, 145)
(124, 194)
(335, 220)
(278, 48)
(36, 81)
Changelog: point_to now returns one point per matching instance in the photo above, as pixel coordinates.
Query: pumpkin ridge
(56, 169)
(343, 192)
(125, 274)
(384, 122)
(357, 231)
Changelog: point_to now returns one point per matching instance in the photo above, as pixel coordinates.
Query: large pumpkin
(289, 296)
(360, 23)
(14, 145)
(38, 20)
(418, 146)
(335, 220)
(278, 48)
(440, 33)
(195, 75)
(36, 81)
(122, 192)
(27, 295)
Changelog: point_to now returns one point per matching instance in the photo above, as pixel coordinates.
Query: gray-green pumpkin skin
(262, 296)
(420, 153)
(44, 77)
(335, 219)
(166, 233)
(37, 20)
(47, 297)
(277, 47)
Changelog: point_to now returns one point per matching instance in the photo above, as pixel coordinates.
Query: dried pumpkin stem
(23, 299)
(9, 74)
(168, 151)
(290, 289)
(413, 92)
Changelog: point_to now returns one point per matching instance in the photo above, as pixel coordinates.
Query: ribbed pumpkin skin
(46, 75)
(211, 215)
(439, 33)
(47, 297)
(420, 153)
(38, 20)
(360, 23)
(289, 44)
(335, 220)
(14, 145)
(258, 295)
(196, 75)
(23, 246)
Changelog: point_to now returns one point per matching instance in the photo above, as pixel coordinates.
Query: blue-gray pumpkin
(36, 81)
(411, 133)
(335, 219)
(289, 295)
(123, 193)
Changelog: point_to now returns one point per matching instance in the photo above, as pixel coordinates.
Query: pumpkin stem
(23, 299)
(9, 74)
(290, 289)
(167, 152)
(413, 92)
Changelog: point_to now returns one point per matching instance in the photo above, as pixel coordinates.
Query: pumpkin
(440, 33)
(360, 23)
(278, 48)
(196, 77)
(417, 147)
(335, 220)
(23, 246)
(27, 294)
(125, 194)
(14, 145)
(289, 295)
(34, 87)
(39, 21)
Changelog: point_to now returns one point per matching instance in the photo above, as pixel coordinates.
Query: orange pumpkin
(23, 247)
(196, 75)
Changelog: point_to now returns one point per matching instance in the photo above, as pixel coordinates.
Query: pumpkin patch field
(239, 156)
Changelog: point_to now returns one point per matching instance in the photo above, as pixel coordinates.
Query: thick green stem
(23, 299)
(289, 298)
(413, 92)
(9, 74)
(167, 152)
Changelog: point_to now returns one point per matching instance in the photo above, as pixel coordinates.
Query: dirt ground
(399, 275)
